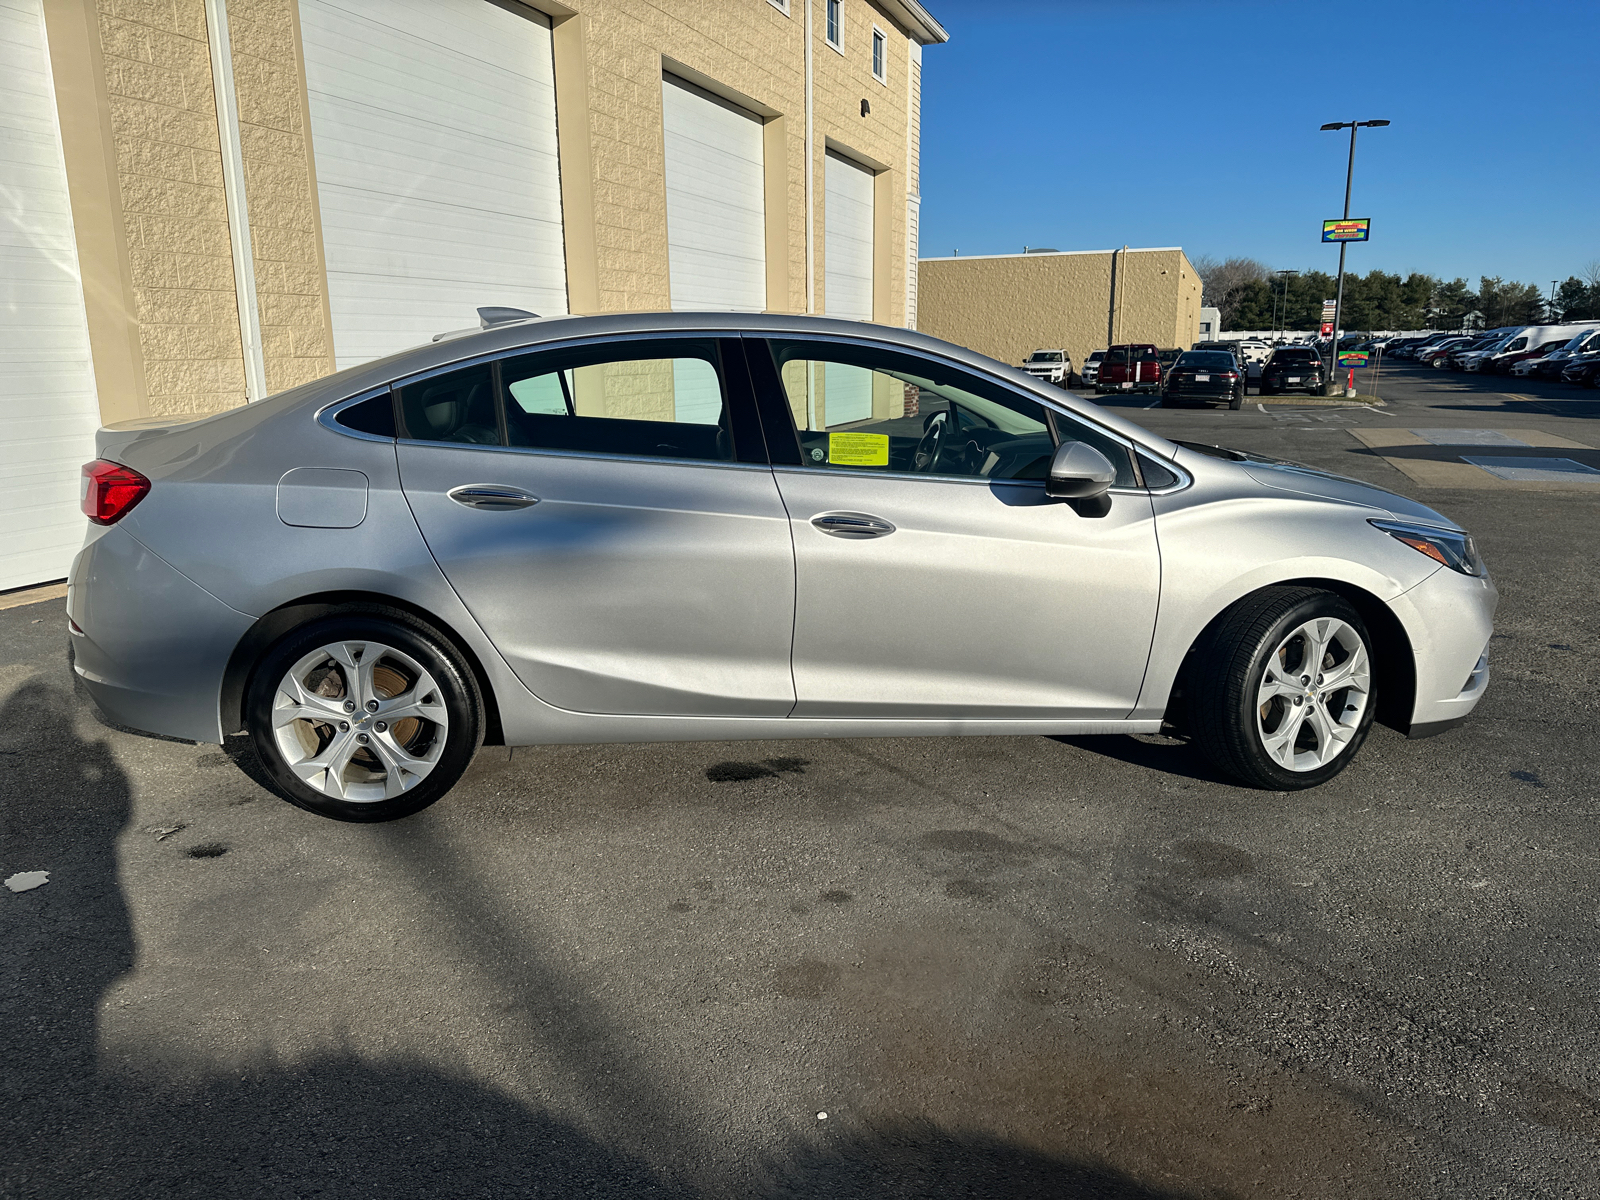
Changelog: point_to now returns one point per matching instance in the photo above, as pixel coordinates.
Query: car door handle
(852, 525)
(493, 497)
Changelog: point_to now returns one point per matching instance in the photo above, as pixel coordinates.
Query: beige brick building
(226, 198)
(1009, 305)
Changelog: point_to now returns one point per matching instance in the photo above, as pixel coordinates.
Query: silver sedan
(658, 527)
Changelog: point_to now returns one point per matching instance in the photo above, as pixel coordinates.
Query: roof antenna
(488, 318)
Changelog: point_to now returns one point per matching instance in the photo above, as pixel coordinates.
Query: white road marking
(1153, 404)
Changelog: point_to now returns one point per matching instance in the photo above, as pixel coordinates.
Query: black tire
(1227, 676)
(456, 689)
(1237, 402)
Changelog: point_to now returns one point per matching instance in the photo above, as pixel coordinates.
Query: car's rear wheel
(1283, 689)
(363, 717)
(1237, 401)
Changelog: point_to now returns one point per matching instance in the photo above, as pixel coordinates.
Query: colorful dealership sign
(1353, 230)
(1353, 358)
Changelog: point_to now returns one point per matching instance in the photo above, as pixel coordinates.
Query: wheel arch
(271, 626)
(1390, 643)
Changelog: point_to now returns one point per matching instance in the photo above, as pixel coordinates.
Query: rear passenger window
(665, 400)
(458, 407)
(651, 399)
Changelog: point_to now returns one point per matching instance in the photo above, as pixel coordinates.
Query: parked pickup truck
(1130, 368)
(1052, 366)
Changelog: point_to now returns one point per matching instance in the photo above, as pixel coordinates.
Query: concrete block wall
(841, 79)
(285, 227)
(1007, 306)
(152, 69)
(163, 122)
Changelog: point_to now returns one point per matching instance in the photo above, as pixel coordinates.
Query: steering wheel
(926, 456)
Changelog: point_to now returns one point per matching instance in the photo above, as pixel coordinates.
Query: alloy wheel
(359, 721)
(1314, 691)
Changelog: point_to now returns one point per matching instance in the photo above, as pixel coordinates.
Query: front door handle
(493, 497)
(852, 525)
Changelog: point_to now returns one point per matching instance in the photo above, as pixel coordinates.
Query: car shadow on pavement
(1156, 752)
(341, 1125)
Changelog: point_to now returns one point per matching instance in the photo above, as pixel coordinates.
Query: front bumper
(1449, 619)
(150, 645)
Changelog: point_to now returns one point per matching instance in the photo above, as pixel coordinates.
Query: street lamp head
(1337, 125)
(1374, 124)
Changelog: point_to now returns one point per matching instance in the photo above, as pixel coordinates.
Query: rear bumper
(1201, 392)
(151, 646)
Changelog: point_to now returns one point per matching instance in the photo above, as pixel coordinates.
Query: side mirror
(1079, 472)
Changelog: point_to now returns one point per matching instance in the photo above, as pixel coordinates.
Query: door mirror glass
(1079, 472)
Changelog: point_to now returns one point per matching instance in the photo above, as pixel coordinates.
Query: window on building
(835, 22)
(781, 5)
(880, 56)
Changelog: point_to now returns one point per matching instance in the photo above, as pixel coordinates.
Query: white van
(1525, 337)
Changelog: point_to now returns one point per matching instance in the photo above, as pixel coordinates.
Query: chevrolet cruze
(657, 527)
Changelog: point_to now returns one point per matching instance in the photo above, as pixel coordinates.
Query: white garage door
(716, 214)
(847, 277)
(434, 132)
(48, 410)
(847, 241)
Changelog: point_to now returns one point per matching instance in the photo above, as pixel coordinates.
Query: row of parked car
(1567, 352)
(1210, 373)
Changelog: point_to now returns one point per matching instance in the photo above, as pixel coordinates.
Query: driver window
(897, 414)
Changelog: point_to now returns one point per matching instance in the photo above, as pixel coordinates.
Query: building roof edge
(918, 20)
(1058, 253)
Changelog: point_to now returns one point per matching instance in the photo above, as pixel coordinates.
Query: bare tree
(1590, 272)
(1223, 283)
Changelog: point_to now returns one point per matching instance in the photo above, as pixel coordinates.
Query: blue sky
(1084, 124)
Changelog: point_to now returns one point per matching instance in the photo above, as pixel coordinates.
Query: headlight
(1448, 547)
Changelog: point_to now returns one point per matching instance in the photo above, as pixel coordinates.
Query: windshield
(1045, 356)
(1288, 355)
(1097, 356)
(1206, 358)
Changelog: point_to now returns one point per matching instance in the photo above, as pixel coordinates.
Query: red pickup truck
(1132, 368)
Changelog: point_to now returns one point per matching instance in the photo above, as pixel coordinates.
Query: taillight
(110, 490)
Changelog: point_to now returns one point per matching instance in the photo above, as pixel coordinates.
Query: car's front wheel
(1283, 688)
(363, 717)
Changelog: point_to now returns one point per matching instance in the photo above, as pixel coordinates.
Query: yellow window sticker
(858, 449)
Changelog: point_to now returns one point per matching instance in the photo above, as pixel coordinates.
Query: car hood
(1298, 479)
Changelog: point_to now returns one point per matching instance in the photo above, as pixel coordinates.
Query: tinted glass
(1156, 475)
(649, 400)
(375, 416)
(1114, 357)
(1206, 358)
(458, 407)
(1295, 356)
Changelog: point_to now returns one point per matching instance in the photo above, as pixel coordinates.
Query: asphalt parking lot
(1000, 967)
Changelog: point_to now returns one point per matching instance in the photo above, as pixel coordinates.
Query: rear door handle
(852, 525)
(493, 497)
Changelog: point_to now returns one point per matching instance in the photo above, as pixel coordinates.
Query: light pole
(1284, 274)
(1552, 312)
(1338, 303)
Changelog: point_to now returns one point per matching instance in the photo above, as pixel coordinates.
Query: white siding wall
(434, 134)
(48, 408)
